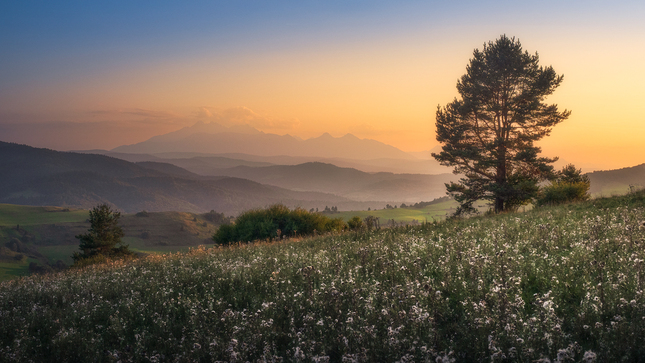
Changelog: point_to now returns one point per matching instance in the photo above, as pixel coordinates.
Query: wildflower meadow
(557, 284)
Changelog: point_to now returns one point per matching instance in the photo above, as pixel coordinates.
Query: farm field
(12, 215)
(561, 283)
(435, 211)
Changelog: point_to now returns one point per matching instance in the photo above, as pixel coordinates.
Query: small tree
(488, 135)
(103, 239)
(569, 174)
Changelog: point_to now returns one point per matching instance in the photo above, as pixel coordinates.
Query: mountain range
(347, 182)
(34, 176)
(213, 138)
(230, 169)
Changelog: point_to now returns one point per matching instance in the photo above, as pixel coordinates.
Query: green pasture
(11, 270)
(12, 215)
(64, 252)
(406, 215)
(55, 253)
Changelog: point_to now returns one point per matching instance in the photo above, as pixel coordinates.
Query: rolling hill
(346, 182)
(36, 176)
(210, 164)
(610, 182)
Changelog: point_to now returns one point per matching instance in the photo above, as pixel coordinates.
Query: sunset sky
(99, 74)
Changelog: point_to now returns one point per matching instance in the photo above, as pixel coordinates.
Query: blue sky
(377, 69)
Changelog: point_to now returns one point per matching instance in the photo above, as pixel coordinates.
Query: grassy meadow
(50, 231)
(560, 283)
(13, 215)
(47, 234)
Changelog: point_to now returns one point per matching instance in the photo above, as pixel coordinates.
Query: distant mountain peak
(350, 137)
(217, 128)
(214, 138)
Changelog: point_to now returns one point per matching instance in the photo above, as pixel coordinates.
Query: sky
(100, 74)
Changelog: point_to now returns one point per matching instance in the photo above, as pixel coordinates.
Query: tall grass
(560, 283)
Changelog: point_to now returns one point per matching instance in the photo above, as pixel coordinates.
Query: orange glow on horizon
(387, 90)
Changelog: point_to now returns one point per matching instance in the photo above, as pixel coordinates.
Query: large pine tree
(488, 135)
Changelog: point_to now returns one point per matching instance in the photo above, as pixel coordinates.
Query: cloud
(367, 130)
(245, 116)
(137, 113)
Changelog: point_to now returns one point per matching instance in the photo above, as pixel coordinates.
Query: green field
(435, 211)
(13, 215)
(11, 270)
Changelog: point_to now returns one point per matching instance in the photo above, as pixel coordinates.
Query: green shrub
(563, 192)
(569, 185)
(355, 223)
(275, 222)
(335, 225)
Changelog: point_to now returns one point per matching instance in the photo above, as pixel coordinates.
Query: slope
(609, 182)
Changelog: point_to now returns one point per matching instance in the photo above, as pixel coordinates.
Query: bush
(35, 268)
(355, 223)
(215, 217)
(335, 225)
(225, 234)
(275, 222)
(563, 192)
(15, 245)
(569, 186)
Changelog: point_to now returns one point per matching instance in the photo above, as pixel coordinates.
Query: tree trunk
(499, 204)
(500, 177)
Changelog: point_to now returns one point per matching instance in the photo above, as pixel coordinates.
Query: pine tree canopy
(103, 236)
(488, 135)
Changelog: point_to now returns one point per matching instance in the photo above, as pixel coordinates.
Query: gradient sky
(99, 74)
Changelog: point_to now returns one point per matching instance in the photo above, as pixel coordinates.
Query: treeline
(276, 222)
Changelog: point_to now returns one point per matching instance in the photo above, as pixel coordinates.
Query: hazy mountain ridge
(216, 139)
(210, 164)
(617, 181)
(47, 177)
(347, 182)
(22, 161)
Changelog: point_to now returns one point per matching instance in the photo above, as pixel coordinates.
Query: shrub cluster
(276, 221)
(563, 192)
(569, 186)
